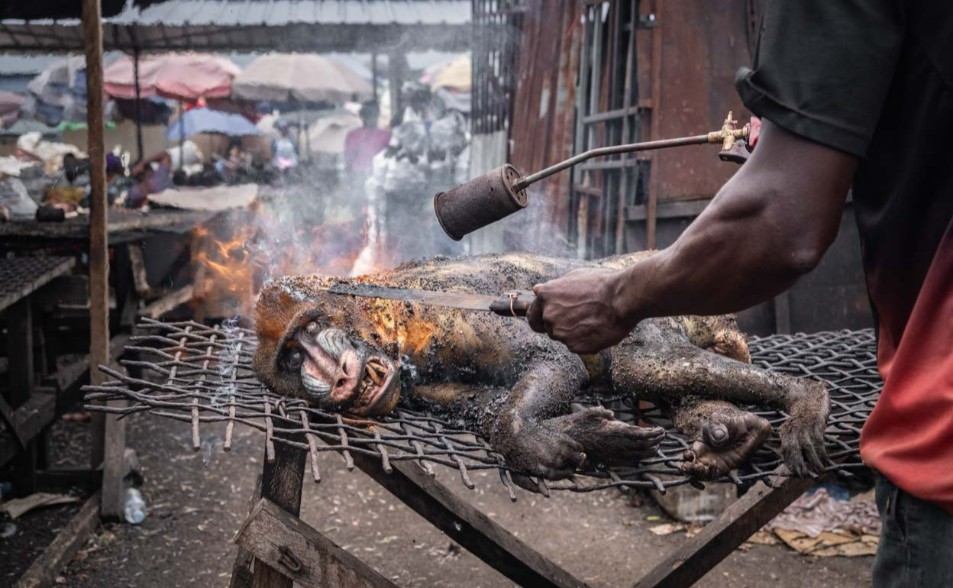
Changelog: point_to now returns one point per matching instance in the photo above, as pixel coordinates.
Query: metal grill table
(21, 276)
(25, 411)
(202, 374)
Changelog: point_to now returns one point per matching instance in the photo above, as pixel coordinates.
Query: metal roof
(280, 12)
(260, 25)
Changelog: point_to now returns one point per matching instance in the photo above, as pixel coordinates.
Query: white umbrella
(327, 135)
(287, 77)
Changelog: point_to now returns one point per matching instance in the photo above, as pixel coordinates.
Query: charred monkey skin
(360, 355)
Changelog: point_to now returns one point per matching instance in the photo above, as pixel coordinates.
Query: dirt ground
(198, 500)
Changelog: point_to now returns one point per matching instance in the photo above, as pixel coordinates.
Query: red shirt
(887, 98)
(360, 147)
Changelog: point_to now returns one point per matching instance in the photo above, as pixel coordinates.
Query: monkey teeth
(374, 373)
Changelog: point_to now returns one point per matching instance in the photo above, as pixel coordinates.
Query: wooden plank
(697, 556)
(33, 416)
(301, 553)
(655, 122)
(20, 351)
(467, 525)
(42, 573)
(110, 440)
(168, 302)
(281, 483)
(678, 209)
(138, 263)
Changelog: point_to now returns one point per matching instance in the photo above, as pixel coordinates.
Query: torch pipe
(613, 150)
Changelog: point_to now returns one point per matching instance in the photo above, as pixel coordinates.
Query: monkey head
(308, 348)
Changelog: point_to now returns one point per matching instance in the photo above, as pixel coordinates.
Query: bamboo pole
(108, 433)
(138, 103)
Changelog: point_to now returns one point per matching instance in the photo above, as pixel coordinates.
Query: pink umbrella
(181, 76)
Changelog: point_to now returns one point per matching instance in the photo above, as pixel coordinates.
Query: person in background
(234, 161)
(153, 175)
(361, 145)
(115, 177)
(284, 154)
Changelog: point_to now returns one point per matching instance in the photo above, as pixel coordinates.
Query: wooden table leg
(281, 483)
(697, 556)
(20, 351)
(20, 370)
(467, 525)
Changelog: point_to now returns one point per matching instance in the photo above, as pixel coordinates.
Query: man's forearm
(768, 226)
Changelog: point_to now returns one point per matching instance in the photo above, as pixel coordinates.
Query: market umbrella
(206, 120)
(456, 74)
(58, 93)
(182, 76)
(297, 77)
(327, 135)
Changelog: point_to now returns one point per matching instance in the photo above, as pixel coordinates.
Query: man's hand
(579, 310)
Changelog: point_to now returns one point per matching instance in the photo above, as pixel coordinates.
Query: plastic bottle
(135, 508)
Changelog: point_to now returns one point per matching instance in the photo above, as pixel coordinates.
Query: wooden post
(138, 103)
(281, 483)
(374, 80)
(109, 434)
(397, 72)
(697, 556)
(20, 351)
(651, 212)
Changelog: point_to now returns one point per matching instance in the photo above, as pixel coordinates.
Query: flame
(232, 260)
(392, 321)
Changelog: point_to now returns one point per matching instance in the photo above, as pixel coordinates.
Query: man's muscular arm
(768, 226)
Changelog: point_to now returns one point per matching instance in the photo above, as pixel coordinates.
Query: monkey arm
(654, 364)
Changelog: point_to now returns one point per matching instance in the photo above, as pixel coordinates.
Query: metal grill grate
(21, 276)
(203, 374)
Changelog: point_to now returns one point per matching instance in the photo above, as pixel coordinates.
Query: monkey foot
(727, 440)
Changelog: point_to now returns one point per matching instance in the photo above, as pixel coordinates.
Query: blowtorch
(501, 192)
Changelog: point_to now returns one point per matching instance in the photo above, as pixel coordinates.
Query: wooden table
(62, 245)
(124, 226)
(27, 409)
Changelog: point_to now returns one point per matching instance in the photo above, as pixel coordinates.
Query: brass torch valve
(735, 142)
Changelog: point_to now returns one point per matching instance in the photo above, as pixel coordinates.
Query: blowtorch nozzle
(501, 192)
(480, 202)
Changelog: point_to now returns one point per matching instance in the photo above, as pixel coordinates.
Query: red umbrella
(181, 76)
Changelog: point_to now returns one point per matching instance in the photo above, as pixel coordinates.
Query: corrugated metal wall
(544, 109)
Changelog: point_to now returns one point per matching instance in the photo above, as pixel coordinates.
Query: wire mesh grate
(202, 374)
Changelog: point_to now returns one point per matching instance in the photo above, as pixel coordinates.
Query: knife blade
(510, 304)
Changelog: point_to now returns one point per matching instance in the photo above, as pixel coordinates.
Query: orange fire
(234, 258)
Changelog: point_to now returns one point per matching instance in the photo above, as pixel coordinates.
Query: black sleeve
(823, 68)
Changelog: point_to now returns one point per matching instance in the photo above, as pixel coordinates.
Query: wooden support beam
(656, 122)
(301, 553)
(697, 556)
(43, 572)
(281, 482)
(467, 525)
(159, 307)
(109, 433)
(20, 350)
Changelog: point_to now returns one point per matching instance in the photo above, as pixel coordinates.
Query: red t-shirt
(360, 147)
(874, 78)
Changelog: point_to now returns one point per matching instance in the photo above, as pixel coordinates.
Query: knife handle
(513, 304)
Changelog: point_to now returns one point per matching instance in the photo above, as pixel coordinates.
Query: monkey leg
(534, 433)
(658, 363)
(724, 436)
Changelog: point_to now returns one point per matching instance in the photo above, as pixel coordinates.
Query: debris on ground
(19, 506)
